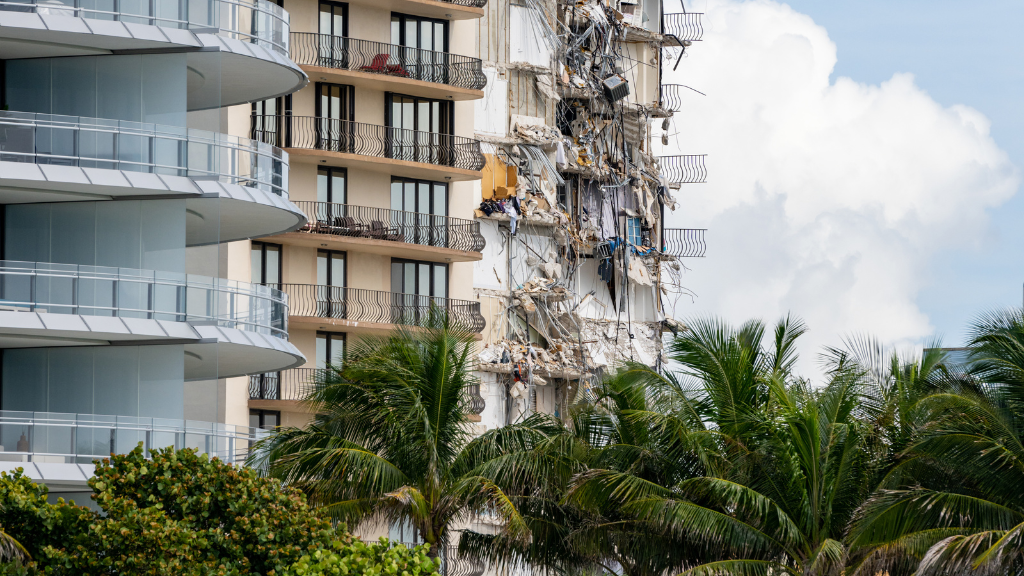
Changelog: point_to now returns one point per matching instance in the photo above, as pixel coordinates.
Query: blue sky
(960, 53)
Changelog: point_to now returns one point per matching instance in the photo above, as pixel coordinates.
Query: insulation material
(526, 44)
(490, 114)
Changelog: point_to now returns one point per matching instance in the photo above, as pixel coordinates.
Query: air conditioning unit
(616, 88)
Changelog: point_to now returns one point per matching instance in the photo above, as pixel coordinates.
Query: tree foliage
(182, 513)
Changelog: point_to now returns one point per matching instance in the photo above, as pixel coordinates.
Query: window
(420, 208)
(264, 419)
(330, 349)
(266, 263)
(330, 268)
(331, 185)
(419, 32)
(419, 278)
(268, 120)
(334, 110)
(402, 531)
(420, 114)
(333, 18)
(633, 230)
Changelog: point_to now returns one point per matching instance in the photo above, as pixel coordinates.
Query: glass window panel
(119, 234)
(321, 267)
(273, 264)
(256, 255)
(396, 277)
(423, 285)
(409, 278)
(271, 420)
(426, 35)
(439, 37)
(440, 287)
(322, 183)
(337, 269)
(321, 351)
(337, 348)
(326, 19)
(410, 33)
(339, 21)
(440, 204)
(254, 418)
(396, 196)
(396, 30)
(423, 199)
(339, 191)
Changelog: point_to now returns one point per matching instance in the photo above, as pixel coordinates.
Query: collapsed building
(579, 273)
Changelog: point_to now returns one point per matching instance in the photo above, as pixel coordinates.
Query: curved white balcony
(51, 158)
(226, 39)
(59, 448)
(44, 304)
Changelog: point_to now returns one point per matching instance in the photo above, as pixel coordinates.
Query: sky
(864, 165)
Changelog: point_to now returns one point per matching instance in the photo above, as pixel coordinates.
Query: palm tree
(11, 549)
(389, 437)
(782, 466)
(953, 504)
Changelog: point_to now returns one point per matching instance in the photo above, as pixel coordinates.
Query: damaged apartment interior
(579, 272)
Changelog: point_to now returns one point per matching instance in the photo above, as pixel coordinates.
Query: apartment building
(386, 169)
(123, 316)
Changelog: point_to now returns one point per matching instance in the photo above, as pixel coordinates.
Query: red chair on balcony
(380, 65)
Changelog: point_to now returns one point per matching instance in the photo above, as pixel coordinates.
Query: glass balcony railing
(55, 437)
(346, 137)
(392, 226)
(255, 21)
(392, 60)
(359, 305)
(130, 293)
(138, 147)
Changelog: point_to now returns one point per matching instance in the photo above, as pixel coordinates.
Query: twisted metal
(359, 305)
(686, 26)
(342, 53)
(334, 135)
(684, 242)
(671, 96)
(392, 225)
(684, 169)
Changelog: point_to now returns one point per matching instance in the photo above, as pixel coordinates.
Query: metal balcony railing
(359, 305)
(392, 225)
(452, 563)
(54, 437)
(139, 147)
(672, 96)
(333, 135)
(130, 293)
(342, 53)
(255, 21)
(684, 169)
(284, 385)
(684, 242)
(686, 26)
(294, 384)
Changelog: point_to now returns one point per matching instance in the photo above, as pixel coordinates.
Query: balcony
(409, 153)
(50, 438)
(253, 21)
(388, 233)
(292, 386)
(686, 26)
(389, 67)
(230, 40)
(358, 310)
(99, 291)
(684, 242)
(684, 169)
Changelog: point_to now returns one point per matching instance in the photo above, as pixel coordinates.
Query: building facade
(122, 185)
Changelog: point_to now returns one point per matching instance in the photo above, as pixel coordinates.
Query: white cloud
(830, 200)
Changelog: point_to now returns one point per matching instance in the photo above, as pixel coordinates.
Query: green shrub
(185, 514)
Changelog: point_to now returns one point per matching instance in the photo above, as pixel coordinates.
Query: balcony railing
(284, 385)
(393, 60)
(138, 147)
(392, 226)
(333, 135)
(130, 293)
(359, 305)
(685, 242)
(294, 384)
(54, 437)
(255, 21)
(684, 169)
(686, 26)
(452, 562)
